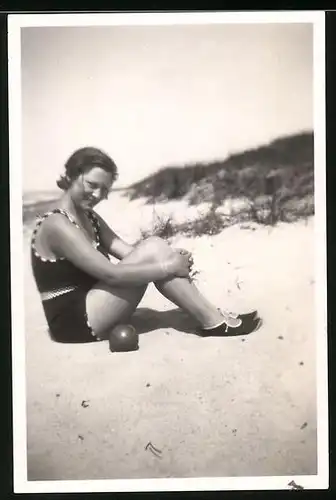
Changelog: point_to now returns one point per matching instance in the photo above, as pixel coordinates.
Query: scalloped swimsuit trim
(58, 276)
(94, 221)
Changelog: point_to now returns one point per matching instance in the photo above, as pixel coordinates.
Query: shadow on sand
(146, 320)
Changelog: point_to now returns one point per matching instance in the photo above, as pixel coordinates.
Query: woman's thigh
(107, 306)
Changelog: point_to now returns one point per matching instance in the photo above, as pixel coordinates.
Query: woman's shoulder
(52, 226)
(57, 218)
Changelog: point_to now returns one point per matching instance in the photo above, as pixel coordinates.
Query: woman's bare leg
(180, 291)
(108, 306)
(183, 293)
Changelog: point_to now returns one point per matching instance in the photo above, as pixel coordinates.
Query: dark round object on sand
(123, 338)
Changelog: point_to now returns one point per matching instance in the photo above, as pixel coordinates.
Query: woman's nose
(97, 193)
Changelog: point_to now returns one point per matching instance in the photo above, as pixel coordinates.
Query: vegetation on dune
(242, 174)
(211, 223)
(274, 182)
(265, 185)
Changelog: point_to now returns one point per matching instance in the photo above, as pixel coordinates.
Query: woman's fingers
(180, 264)
(183, 251)
(186, 253)
(186, 262)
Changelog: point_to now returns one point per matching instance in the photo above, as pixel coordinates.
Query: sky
(154, 96)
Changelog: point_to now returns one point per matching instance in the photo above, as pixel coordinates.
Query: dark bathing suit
(63, 288)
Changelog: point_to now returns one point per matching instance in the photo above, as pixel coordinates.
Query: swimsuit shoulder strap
(41, 218)
(66, 214)
(95, 223)
(93, 218)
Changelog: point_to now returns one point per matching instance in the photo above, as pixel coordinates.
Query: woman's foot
(244, 327)
(243, 316)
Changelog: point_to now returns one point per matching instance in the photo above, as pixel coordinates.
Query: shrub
(274, 179)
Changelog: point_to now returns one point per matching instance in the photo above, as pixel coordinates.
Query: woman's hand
(180, 263)
(182, 251)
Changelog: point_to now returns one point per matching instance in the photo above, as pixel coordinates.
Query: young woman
(84, 295)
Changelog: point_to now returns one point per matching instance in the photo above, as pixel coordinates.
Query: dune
(213, 407)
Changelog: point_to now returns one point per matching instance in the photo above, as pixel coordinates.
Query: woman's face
(91, 187)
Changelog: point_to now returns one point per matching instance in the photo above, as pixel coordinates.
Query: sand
(213, 407)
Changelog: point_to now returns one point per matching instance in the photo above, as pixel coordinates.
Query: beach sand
(214, 407)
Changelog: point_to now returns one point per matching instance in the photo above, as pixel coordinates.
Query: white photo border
(21, 483)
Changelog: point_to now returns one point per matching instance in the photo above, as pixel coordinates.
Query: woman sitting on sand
(85, 295)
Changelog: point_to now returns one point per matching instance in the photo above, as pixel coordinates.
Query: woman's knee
(150, 250)
(155, 248)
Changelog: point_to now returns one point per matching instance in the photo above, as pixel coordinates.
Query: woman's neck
(68, 204)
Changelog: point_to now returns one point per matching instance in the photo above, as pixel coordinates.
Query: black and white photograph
(168, 240)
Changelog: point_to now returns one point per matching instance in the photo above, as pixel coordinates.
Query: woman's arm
(111, 241)
(118, 247)
(66, 240)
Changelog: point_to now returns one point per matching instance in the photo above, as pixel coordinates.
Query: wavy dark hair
(85, 159)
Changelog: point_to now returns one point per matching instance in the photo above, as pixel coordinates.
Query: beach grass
(269, 184)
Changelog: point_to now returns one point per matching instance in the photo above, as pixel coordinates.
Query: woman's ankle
(215, 322)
